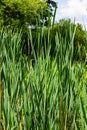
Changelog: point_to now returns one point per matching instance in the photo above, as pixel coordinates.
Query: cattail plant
(48, 94)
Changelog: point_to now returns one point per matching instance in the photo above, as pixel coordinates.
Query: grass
(49, 95)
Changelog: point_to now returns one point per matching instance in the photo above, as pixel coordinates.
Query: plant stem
(0, 98)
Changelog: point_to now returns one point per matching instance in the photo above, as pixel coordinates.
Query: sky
(73, 9)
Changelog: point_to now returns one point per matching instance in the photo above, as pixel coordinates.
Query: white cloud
(75, 8)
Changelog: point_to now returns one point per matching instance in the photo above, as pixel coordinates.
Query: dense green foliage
(63, 29)
(80, 39)
(47, 91)
(21, 12)
(17, 13)
(51, 94)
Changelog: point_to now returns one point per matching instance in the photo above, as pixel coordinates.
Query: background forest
(43, 68)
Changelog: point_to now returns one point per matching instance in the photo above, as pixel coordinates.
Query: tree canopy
(20, 12)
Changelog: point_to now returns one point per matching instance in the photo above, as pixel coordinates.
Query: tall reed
(51, 95)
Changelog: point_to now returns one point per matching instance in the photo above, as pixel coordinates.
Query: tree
(18, 14)
(51, 10)
(21, 12)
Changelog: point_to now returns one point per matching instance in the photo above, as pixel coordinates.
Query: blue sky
(74, 9)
